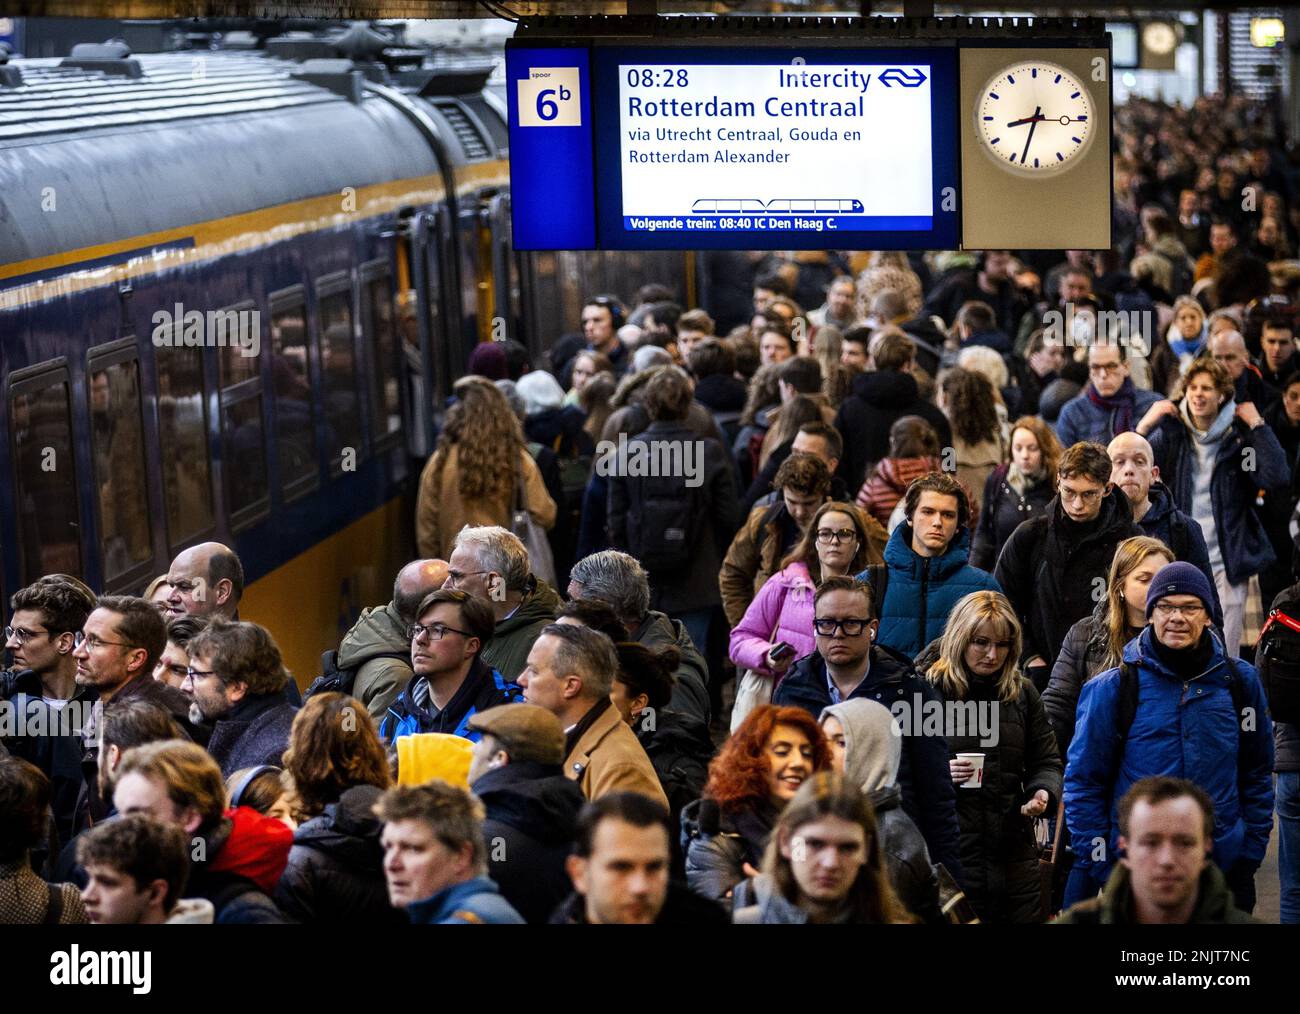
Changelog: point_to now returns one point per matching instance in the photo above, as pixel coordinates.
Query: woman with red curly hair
(757, 771)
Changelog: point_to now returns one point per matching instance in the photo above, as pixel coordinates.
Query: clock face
(1035, 119)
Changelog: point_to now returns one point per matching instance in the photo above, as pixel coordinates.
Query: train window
(291, 378)
(380, 337)
(245, 461)
(183, 435)
(121, 482)
(45, 474)
(339, 374)
(233, 331)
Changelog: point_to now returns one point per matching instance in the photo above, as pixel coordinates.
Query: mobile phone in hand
(783, 650)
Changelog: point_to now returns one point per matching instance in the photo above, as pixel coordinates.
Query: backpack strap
(54, 909)
(1128, 697)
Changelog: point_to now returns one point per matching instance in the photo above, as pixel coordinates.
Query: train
(236, 286)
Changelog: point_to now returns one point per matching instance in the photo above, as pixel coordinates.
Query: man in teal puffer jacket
(927, 569)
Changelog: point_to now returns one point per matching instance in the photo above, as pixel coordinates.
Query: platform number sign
(549, 97)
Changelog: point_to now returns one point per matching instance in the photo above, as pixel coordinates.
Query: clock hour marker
(1013, 156)
(1075, 95)
(1081, 117)
(993, 95)
(1011, 79)
(1035, 163)
(1034, 72)
(995, 140)
(1076, 140)
(988, 117)
(1058, 79)
(1060, 157)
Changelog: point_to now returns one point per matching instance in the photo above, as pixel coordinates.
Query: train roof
(105, 145)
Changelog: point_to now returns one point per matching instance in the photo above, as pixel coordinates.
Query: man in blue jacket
(927, 566)
(1109, 405)
(435, 858)
(847, 665)
(1185, 719)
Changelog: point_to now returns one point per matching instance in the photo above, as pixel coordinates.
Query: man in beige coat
(570, 673)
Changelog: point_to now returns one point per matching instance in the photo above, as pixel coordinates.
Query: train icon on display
(777, 206)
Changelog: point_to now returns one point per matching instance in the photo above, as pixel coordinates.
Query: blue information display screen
(710, 147)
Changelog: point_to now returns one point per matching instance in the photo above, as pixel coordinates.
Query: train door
(424, 326)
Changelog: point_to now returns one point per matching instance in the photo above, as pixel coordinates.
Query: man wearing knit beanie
(1177, 706)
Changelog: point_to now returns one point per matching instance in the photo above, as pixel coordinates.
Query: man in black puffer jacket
(1054, 567)
(336, 866)
(532, 809)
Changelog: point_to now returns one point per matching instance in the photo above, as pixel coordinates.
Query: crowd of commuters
(741, 613)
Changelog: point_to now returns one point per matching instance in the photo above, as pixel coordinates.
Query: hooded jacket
(238, 866)
(483, 688)
(923, 778)
(367, 647)
(1182, 534)
(254, 732)
(998, 852)
(879, 399)
(873, 751)
(470, 902)
(532, 811)
(513, 637)
(1242, 541)
(1114, 906)
(1048, 566)
(1002, 510)
(923, 590)
(1182, 729)
(783, 611)
(335, 872)
(691, 678)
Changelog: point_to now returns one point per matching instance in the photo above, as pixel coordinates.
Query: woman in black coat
(1007, 768)
(1094, 643)
(1018, 490)
(339, 769)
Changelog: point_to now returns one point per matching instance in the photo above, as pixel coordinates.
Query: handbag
(752, 690)
(540, 559)
(1048, 843)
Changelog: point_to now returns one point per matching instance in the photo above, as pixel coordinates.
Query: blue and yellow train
(234, 287)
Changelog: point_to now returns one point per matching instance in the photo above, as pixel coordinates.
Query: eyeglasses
(93, 643)
(434, 631)
(983, 644)
(21, 635)
(1189, 611)
(1101, 369)
(829, 535)
(193, 674)
(827, 626)
(1080, 496)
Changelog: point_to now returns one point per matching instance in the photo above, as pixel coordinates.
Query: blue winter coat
(928, 794)
(922, 591)
(1186, 730)
(483, 688)
(1243, 542)
(471, 901)
(1080, 419)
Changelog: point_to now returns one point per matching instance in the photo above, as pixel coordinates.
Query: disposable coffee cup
(976, 780)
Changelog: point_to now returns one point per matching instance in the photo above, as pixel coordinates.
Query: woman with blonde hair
(479, 472)
(1094, 643)
(1018, 490)
(1183, 343)
(1004, 758)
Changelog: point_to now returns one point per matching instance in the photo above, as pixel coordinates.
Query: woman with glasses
(1216, 457)
(1095, 642)
(777, 629)
(1004, 759)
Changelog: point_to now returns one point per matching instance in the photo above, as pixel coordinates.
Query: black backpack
(663, 521)
(1278, 659)
(336, 680)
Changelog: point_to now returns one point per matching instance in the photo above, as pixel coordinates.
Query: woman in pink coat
(782, 612)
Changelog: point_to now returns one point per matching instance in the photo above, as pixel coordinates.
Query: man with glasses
(1054, 567)
(847, 664)
(1109, 405)
(236, 678)
(451, 681)
(1202, 716)
(927, 566)
(40, 639)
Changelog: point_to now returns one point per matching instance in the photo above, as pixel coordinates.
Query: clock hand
(1028, 119)
(1032, 127)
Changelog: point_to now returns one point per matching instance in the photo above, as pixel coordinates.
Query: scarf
(1217, 428)
(1120, 406)
(1021, 482)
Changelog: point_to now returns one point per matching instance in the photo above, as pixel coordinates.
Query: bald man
(1229, 350)
(378, 647)
(206, 581)
(1134, 471)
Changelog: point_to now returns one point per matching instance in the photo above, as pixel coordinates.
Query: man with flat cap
(532, 808)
